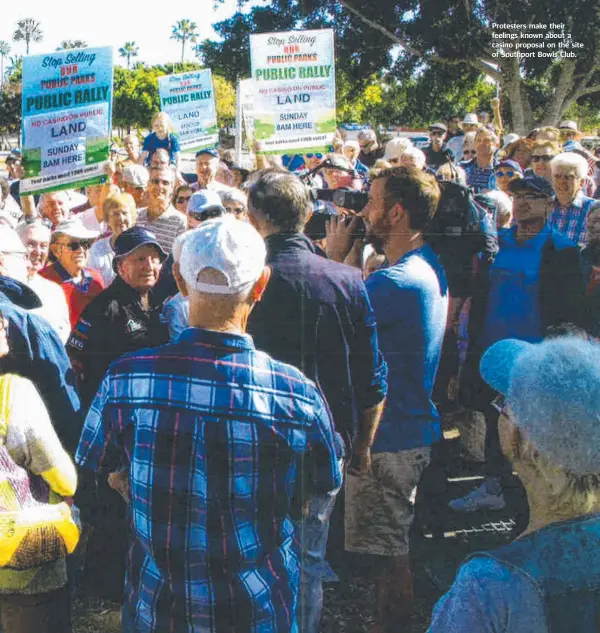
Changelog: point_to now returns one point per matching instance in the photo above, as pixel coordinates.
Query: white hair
(234, 195)
(61, 195)
(354, 144)
(23, 227)
(417, 155)
(503, 202)
(570, 160)
(396, 146)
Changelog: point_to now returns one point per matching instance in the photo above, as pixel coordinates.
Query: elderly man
(131, 143)
(316, 315)
(122, 318)
(70, 245)
(225, 437)
(160, 216)
(54, 207)
(549, 578)
(571, 207)
(36, 238)
(207, 168)
(135, 179)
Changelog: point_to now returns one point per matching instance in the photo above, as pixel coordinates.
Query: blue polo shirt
(513, 309)
(410, 300)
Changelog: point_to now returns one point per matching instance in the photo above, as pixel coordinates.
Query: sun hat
(74, 227)
(233, 248)
(470, 119)
(136, 175)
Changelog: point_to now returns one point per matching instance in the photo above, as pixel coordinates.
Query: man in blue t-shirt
(410, 300)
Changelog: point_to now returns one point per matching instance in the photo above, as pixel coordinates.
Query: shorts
(380, 504)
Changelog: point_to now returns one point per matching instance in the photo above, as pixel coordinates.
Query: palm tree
(129, 50)
(183, 31)
(28, 30)
(66, 45)
(4, 51)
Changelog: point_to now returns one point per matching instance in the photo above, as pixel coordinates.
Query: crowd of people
(247, 366)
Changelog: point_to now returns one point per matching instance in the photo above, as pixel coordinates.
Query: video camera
(346, 198)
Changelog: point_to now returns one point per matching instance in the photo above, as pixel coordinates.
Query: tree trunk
(563, 88)
(521, 115)
(182, 50)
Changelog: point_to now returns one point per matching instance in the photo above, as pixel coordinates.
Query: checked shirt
(224, 444)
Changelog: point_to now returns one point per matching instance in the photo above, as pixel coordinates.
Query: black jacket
(316, 315)
(113, 324)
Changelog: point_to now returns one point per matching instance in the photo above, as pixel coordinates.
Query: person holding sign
(161, 137)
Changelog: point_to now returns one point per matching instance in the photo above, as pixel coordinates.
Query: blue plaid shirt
(572, 221)
(223, 442)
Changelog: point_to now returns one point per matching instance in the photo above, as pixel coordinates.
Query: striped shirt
(167, 226)
(572, 220)
(224, 445)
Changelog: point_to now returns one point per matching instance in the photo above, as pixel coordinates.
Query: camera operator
(340, 179)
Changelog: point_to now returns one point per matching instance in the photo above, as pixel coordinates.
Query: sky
(114, 22)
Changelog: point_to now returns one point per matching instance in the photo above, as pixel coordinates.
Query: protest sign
(244, 121)
(294, 91)
(189, 100)
(67, 110)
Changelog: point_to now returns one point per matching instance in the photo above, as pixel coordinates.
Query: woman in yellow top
(35, 599)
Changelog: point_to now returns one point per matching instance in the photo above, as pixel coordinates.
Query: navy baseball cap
(208, 150)
(532, 183)
(132, 239)
(511, 164)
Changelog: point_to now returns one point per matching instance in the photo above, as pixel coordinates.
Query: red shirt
(78, 295)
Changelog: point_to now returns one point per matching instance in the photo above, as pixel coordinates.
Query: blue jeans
(312, 533)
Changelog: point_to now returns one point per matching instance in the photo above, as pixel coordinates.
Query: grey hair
(234, 195)
(23, 227)
(570, 160)
(56, 194)
(417, 155)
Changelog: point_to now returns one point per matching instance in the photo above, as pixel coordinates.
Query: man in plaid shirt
(222, 444)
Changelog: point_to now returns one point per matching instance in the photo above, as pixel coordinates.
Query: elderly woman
(542, 153)
(519, 151)
(468, 147)
(235, 202)
(70, 244)
(413, 158)
(571, 207)
(351, 150)
(120, 214)
(548, 580)
(181, 197)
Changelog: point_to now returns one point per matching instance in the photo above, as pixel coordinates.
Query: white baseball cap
(225, 244)
(74, 227)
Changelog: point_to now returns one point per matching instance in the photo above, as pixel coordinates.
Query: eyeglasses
(182, 199)
(508, 174)
(393, 161)
(565, 176)
(469, 151)
(436, 133)
(546, 158)
(317, 156)
(159, 181)
(75, 246)
(234, 210)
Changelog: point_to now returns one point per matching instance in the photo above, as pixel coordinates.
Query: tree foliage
(448, 38)
(129, 50)
(184, 31)
(66, 45)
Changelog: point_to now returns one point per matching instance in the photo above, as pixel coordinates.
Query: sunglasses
(501, 174)
(564, 176)
(546, 158)
(207, 214)
(75, 246)
(469, 151)
(159, 181)
(317, 156)
(436, 133)
(393, 161)
(182, 199)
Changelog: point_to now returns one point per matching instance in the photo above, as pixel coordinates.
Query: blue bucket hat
(553, 391)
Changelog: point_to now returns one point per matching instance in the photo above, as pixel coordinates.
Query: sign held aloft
(189, 100)
(294, 91)
(67, 112)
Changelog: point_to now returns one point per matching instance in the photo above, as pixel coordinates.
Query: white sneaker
(487, 496)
